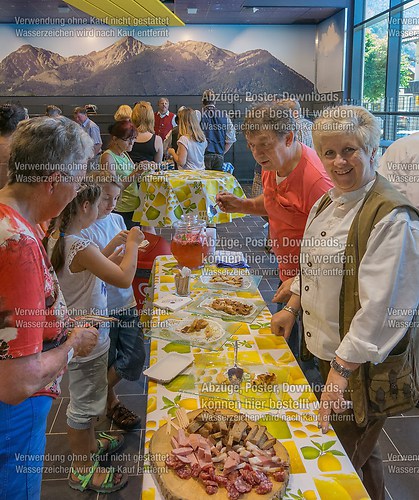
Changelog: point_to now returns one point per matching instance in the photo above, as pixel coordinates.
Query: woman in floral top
(48, 160)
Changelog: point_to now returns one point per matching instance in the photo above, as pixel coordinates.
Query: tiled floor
(400, 437)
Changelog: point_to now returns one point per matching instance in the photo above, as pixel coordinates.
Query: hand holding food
(135, 236)
(120, 239)
(229, 202)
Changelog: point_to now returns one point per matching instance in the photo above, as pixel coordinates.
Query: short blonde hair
(124, 112)
(189, 125)
(143, 117)
(355, 121)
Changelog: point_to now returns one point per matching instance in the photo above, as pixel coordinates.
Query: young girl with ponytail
(83, 272)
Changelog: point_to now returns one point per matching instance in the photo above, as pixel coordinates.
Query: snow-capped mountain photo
(131, 67)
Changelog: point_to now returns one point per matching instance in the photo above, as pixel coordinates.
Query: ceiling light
(63, 9)
(192, 11)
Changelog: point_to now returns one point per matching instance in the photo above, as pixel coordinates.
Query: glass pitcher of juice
(189, 244)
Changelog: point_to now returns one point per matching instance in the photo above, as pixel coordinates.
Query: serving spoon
(235, 374)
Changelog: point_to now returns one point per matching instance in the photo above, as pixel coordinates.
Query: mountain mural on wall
(129, 67)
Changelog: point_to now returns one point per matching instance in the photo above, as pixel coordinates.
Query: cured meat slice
(182, 451)
(184, 472)
(280, 476)
(232, 492)
(211, 489)
(242, 486)
(264, 487)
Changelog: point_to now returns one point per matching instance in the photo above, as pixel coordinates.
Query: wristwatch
(344, 372)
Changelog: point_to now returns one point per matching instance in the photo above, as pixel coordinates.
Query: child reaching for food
(83, 272)
(126, 352)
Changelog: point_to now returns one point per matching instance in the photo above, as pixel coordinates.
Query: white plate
(167, 368)
(202, 305)
(210, 333)
(246, 282)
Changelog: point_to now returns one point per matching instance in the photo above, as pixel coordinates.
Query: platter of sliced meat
(220, 455)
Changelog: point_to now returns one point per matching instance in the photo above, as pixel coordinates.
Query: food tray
(202, 305)
(249, 282)
(212, 338)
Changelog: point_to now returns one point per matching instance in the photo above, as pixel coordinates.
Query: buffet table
(319, 467)
(167, 195)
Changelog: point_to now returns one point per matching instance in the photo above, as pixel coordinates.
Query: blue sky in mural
(294, 45)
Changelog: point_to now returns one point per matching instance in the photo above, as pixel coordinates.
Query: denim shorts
(126, 352)
(22, 447)
(88, 386)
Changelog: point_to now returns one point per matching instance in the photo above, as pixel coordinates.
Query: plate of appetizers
(196, 330)
(227, 306)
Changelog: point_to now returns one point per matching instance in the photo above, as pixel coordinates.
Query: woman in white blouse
(191, 143)
(358, 290)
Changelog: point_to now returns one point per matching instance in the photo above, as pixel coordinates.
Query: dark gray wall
(239, 155)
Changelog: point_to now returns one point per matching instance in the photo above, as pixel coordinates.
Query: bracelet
(291, 310)
(344, 372)
(70, 355)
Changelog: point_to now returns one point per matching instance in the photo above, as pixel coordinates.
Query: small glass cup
(182, 284)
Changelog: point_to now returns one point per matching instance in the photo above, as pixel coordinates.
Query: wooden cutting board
(174, 488)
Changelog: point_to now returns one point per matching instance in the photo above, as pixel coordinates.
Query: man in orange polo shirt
(293, 179)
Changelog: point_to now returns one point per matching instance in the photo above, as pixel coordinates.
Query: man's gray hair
(43, 145)
(269, 116)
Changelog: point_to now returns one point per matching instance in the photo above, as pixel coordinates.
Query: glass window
(375, 65)
(374, 7)
(406, 26)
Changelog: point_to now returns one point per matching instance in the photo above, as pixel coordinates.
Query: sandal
(85, 481)
(124, 418)
(114, 445)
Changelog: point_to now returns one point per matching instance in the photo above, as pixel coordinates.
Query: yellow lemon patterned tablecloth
(167, 195)
(319, 466)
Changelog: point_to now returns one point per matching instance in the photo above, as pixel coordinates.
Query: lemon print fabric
(327, 458)
(340, 487)
(149, 494)
(165, 198)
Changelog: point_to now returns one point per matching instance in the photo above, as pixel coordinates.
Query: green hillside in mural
(129, 67)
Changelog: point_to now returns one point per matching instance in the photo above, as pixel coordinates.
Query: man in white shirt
(400, 166)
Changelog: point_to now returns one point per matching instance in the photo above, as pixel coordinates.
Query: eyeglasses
(80, 186)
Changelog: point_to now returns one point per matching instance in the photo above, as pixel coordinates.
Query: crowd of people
(335, 224)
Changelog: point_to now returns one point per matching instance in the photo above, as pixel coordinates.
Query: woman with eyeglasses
(48, 159)
(115, 159)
